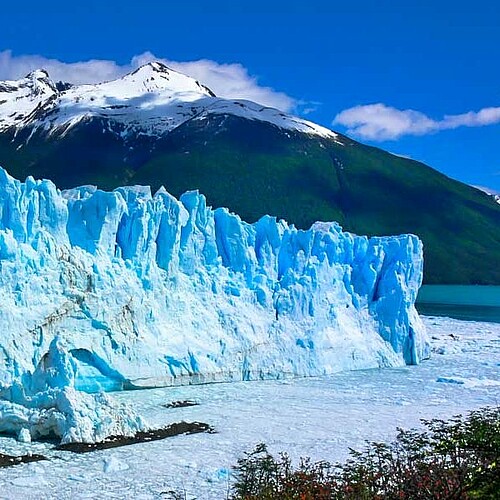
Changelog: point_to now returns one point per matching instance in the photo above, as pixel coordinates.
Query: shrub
(456, 459)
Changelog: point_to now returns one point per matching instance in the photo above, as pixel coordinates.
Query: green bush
(455, 459)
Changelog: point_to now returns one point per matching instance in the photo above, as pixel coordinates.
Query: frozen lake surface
(316, 417)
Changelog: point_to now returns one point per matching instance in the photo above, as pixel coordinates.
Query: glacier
(126, 290)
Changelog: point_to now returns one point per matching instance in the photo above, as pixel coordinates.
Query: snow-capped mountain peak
(20, 98)
(158, 76)
(154, 77)
(36, 82)
(154, 99)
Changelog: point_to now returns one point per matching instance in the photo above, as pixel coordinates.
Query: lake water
(467, 302)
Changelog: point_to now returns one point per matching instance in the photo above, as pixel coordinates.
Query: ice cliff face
(149, 291)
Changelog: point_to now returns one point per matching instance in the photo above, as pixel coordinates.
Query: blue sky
(431, 68)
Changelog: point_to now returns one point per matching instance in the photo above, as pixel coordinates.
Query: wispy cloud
(379, 122)
(92, 71)
(227, 80)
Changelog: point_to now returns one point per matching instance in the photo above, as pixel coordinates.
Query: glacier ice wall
(150, 290)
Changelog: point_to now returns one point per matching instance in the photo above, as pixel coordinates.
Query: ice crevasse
(124, 289)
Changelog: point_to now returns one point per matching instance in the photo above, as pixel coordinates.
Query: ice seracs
(150, 290)
(153, 99)
(118, 290)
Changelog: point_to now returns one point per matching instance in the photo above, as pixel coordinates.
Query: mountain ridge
(162, 97)
(252, 159)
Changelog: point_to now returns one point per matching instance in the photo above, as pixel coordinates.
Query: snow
(20, 98)
(154, 100)
(319, 417)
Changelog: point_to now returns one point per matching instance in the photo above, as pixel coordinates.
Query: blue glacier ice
(146, 290)
(46, 404)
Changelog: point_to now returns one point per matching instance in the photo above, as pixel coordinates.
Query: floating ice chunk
(113, 464)
(24, 436)
(450, 380)
(469, 382)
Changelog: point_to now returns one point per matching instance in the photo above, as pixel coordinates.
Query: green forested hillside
(255, 168)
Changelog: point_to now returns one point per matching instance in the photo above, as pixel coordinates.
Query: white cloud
(485, 116)
(92, 71)
(379, 122)
(231, 81)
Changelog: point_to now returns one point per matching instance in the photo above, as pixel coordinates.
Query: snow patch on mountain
(20, 99)
(153, 99)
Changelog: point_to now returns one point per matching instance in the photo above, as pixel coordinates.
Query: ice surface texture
(46, 405)
(150, 291)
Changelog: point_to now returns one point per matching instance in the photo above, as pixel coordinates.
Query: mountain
(125, 289)
(490, 192)
(152, 101)
(158, 127)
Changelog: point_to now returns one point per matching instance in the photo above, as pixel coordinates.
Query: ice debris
(47, 406)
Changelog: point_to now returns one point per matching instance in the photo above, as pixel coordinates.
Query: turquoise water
(468, 302)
